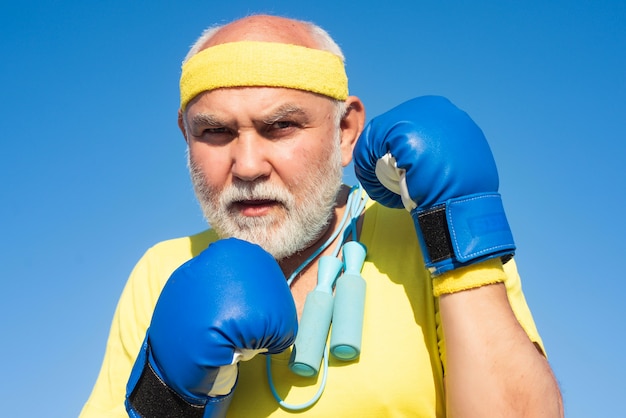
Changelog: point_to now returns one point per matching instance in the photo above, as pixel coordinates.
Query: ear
(351, 127)
(181, 124)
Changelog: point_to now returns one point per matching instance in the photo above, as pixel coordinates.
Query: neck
(291, 263)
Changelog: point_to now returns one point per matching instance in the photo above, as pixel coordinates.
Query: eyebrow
(206, 119)
(283, 112)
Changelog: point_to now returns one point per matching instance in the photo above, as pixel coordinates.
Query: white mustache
(256, 191)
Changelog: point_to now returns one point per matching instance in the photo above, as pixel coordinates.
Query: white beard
(295, 226)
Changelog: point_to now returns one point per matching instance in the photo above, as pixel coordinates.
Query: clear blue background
(92, 165)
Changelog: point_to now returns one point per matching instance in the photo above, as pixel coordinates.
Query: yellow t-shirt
(399, 372)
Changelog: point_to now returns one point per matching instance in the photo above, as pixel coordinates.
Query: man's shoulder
(388, 229)
(161, 259)
(380, 214)
(182, 247)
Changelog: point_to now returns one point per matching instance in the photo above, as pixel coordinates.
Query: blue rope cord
(354, 207)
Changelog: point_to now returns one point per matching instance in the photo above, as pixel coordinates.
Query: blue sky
(92, 166)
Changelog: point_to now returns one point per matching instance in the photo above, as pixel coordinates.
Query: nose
(250, 158)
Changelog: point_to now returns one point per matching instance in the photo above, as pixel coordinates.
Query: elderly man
(437, 324)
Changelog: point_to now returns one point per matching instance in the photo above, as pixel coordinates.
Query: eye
(282, 124)
(214, 135)
(215, 131)
(281, 129)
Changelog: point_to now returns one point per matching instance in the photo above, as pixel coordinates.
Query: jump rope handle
(349, 307)
(345, 309)
(308, 348)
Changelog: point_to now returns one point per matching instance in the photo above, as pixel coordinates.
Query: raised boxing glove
(430, 157)
(228, 304)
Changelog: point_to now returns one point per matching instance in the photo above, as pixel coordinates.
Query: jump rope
(343, 307)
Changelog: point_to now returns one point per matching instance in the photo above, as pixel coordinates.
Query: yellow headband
(269, 64)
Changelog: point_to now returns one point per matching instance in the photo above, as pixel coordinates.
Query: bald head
(264, 28)
(267, 28)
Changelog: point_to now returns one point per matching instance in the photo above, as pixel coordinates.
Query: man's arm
(492, 367)
(430, 157)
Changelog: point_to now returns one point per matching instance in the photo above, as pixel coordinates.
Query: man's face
(265, 164)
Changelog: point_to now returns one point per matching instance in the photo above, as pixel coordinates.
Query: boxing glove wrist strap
(151, 397)
(463, 231)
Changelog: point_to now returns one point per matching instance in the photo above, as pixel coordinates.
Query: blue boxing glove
(226, 305)
(428, 156)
